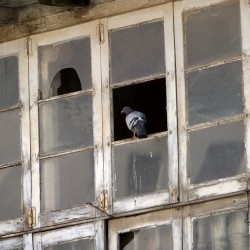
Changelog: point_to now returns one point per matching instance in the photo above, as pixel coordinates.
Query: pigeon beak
(122, 112)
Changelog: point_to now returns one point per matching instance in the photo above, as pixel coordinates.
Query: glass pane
(9, 93)
(66, 124)
(10, 150)
(87, 244)
(159, 238)
(137, 51)
(141, 167)
(67, 180)
(10, 193)
(212, 33)
(215, 93)
(217, 152)
(73, 55)
(222, 232)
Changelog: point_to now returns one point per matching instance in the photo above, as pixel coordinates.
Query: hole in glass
(149, 98)
(64, 82)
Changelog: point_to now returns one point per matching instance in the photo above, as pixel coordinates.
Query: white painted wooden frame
(87, 211)
(25, 242)
(17, 48)
(206, 209)
(225, 185)
(162, 12)
(164, 217)
(94, 230)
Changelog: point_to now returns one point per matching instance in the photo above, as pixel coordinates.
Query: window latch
(100, 33)
(28, 46)
(103, 200)
(31, 217)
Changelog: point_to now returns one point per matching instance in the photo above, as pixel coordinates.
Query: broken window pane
(87, 244)
(10, 193)
(141, 167)
(215, 93)
(75, 55)
(10, 150)
(222, 232)
(217, 152)
(66, 124)
(67, 180)
(212, 33)
(9, 91)
(158, 237)
(137, 51)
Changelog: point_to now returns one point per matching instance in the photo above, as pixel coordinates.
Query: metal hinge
(103, 200)
(100, 33)
(28, 47)
(31, 217)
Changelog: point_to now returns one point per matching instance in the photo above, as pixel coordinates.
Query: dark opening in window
(65, 81)
(149, 98)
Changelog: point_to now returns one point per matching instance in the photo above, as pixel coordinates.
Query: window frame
(85, 211)
(25, 242)
(17, 48)
(161, 12)
(224, 185)
(153, 219)
(94, 230)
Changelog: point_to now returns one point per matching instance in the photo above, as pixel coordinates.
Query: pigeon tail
(139, 129)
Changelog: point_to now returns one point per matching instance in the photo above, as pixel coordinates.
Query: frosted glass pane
(87, 244)
(74, 54)
(212, 33)
(217, 152)
(67, 180)
(159, 238)
(141, 167)
(215, 93)
(66, 124)
(10, 193)
(9, 91)
(137, 51)
(222, 232)
(10, 150)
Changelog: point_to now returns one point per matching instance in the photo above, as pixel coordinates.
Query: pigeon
(136, 122)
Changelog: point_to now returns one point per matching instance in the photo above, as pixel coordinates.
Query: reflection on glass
(9, 91)
(52, 59)
(87, 244)
(222, 232)
(10, 193)
(141, 167)
(217, 152)
(67, 180)
(66, 124)
(215, 93)
(137, 51)
(10, 150)
(212, 33)
(159, 237)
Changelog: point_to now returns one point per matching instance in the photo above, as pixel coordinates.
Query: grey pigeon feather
(136, 122)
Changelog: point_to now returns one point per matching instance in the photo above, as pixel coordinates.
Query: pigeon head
(126, 110)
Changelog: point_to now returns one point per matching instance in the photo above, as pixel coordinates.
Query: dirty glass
(87, 244)
(10, 193)
(140, 167)
(214, 93)
(67, 180)
(137, 51)
(222, 232)
(53, 58)
(66, 124)
(212, 33)
(158, 237)
(217, 152)
(10, 150)
(9, 91)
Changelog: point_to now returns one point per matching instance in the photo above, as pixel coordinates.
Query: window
(139, 74)
(214, 139)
